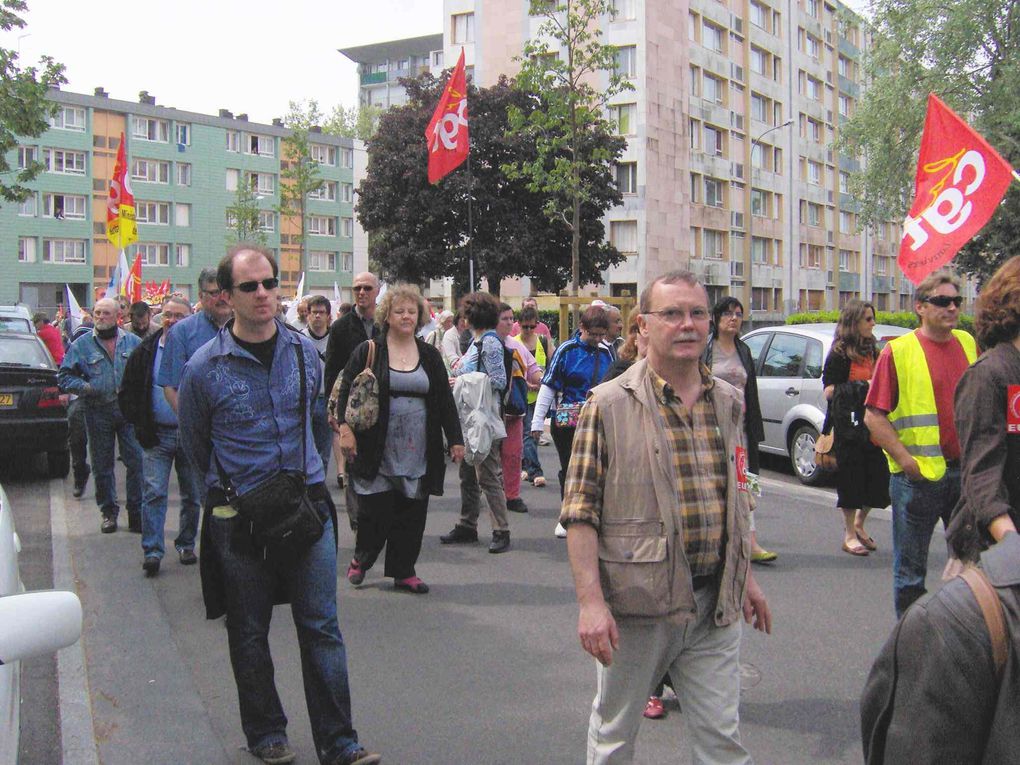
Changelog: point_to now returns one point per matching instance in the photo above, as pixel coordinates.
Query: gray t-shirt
(729, 367)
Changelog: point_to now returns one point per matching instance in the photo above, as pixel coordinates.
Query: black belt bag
(283, 517)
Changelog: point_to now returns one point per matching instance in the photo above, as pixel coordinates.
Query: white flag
(337, 300)
(292, 316)
(73, 310)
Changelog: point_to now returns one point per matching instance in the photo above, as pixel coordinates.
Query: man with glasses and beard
(910, 415)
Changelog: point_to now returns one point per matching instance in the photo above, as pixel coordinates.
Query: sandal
(866, 541)
(355, 573)
(411, 584)
(860, 550)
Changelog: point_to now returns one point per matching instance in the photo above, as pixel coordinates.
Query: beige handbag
(824, 456)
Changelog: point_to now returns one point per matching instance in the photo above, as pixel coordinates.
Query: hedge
(906, 319)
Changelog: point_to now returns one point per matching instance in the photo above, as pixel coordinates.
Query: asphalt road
(484, 669)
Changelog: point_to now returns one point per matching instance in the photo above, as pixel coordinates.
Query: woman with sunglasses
(729, 359)
(862, 478)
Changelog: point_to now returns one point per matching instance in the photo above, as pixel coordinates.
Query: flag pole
(471, 228)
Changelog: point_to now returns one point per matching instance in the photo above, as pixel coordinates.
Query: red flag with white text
(134, 282)
(960, 181)
(447, 133)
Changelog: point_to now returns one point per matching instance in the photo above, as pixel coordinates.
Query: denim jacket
(89, 372)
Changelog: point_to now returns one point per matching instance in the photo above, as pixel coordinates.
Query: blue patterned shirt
(186, 337)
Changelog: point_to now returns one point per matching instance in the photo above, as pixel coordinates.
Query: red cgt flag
(447, 133)
(960, 182)
(134, 285)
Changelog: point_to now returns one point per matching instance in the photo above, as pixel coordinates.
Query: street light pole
(749, 250)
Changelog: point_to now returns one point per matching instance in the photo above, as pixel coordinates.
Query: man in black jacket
(346, 334)
(145, 406)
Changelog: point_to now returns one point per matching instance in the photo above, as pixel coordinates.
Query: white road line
(76, 726)
(772, 487)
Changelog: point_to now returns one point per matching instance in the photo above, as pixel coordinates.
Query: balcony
(373, 78)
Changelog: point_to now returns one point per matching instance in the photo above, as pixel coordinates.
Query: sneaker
(560, 532)
(109, 524)
(539, 481)
(516, 505)
(358, 757)
(654, 709)
(411, 584)
(355, 573)
(274, 754)
(524, 475)
(151, 565)
(459, 536)
(500, 542)
(188, 557)
(766, 556)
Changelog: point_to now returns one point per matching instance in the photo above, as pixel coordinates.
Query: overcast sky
(207, 55)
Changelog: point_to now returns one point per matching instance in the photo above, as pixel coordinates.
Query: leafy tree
(353, 123)
(558, 68)
(24, 109)
(300, 176)
(966, 52)
(419, 231)
(243, 216)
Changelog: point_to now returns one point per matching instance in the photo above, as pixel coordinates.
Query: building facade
(729, 169)
(380, 66)
(184, 169)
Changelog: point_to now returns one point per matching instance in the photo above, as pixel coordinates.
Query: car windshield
(23, 352)
(14, 324)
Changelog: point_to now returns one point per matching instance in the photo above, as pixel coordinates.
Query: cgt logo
(741, 460)
(950, 207)
(1013, 409)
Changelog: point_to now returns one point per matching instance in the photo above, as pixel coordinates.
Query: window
(347, 158)
(878, 263)
(150, 171)
(182, 255)
(713, 140)
(346, 192)
(347, 262)
(814, 172)
(233, 140)
(759, 61)
(64, 162)
(814, 214)
(626, 177)
(844, 67)
(695, 132)
(322, 261)
(28, 208)
(157, 213)
(324, 155)
(759, 203)
(463, 27)
(625, 9)
(844, 182)
(326, 192)
(233, 178)
(759, 108)
(147, 129)
(713, 89)
(26, 250)
(262, 145)
(182, 214)
(814, 130)
(623, 115)
(846, 224)
(263, 183)
(786, 352)
(811, 8)
(759, 15)
(626, 61)
(401, 64)
(26, 156)
(154, 254)
(183, 134)
(814, 88)
(347, 227)
(623, 236)
(812, 45)
(69, 118)
(61, 206)
(713, 244)
(692, 27)
(63, 251)
(183, 174)
(844, 105)
(321, 225)
(714, 190)
(267, 221)
(712, 37)
(844, 260)
(811, 256)
(759, 250)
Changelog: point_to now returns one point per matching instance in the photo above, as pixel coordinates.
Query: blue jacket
(89, 372)
(572, 371)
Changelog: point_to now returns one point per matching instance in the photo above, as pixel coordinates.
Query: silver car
(789, 360)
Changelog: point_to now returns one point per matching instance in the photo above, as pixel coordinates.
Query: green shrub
(906, 319)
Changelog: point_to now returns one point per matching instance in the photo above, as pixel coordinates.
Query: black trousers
(393, 521)
(563, 440)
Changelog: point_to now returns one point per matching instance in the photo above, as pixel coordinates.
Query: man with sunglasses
(244, 419)
(910, 415)
(192, 333)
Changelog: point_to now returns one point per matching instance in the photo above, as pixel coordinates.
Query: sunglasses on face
(267, 284)
(944, 301)
(362, 288)
(528, 326)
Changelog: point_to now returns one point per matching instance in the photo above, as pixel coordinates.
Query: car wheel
(58, 464)
(802, 455)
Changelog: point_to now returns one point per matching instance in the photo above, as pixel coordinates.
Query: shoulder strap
(991, 608)
(304, 409)
(370, 359)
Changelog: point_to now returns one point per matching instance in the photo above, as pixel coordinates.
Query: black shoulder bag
(283, 518)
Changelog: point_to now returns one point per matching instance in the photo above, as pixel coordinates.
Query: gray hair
(671, 277)
(207, 275)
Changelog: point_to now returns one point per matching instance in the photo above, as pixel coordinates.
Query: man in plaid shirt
(657, 509)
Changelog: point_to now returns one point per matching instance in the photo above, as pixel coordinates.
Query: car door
(779, 384)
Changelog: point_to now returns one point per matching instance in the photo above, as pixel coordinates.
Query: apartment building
(184, 169)
(381, 65)
(729, 169)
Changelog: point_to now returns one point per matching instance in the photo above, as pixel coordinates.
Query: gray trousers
(487, 477)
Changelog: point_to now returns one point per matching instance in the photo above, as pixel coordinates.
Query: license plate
(6, 400)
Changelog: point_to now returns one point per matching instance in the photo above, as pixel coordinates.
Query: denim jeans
(78, 440)
(106, 425)
(530, 462)
(157, 462)
(916, 508)
(321, 432)
(250, 582)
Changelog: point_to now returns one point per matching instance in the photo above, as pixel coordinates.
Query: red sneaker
(654, 709)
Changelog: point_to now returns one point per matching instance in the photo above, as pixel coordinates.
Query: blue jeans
(78, 440)
(106, 425)
(916, 508)
(321, 432)
(530, 461)
(157, 462)
(250, 582)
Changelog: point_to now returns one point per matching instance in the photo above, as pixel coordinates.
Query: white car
(31, 624)
(788, 361)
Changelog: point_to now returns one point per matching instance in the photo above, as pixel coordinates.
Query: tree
(966, 52)
(24, 108)
(419, 231)
(353, 123)
(558, 68)
(300, 177)
(243, 216)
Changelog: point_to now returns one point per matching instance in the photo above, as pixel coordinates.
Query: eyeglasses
(944, 301)
(733, 315)
(528, 326)
(213, 293)
(268, 284)
(362, 288)
(676, 316)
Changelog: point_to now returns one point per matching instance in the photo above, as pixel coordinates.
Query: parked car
(31, 624)
(16, 318)
(33, 418)
(788, 360)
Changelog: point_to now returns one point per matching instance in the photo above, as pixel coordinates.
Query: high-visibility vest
(915, 418)
(540, 359)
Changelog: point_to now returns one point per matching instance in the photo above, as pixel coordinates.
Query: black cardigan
(440, 417)
(753, 427)
(135, 394)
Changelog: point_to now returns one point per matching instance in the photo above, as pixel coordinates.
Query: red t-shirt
(950, 361)
(51, 336)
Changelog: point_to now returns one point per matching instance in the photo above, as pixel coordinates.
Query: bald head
(105, 313)
(366, 290)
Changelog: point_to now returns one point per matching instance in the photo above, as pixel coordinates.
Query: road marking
(800, 491)
(77, 732)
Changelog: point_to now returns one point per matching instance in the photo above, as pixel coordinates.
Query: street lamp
(750, 216)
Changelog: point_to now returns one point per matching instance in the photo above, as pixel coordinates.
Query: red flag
(447, 133)
(960, 182)
(134, 285)
(120, 208)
